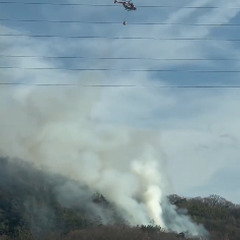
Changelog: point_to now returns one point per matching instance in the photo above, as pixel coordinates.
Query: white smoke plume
(63, 130)
(56, 129)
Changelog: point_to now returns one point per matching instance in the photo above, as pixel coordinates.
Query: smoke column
(58, 129)
(65, 130)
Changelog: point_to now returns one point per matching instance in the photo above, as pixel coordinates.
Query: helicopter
(128, 5)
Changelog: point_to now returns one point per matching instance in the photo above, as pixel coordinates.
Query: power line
(111, 5)
(122, 70)
(117, 85)
(114, 37)
(117, 22)
(120, 58)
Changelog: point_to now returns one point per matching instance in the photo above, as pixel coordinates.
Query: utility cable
(118, 85)
(117, 22)
(111, 5)
(122, 70)
(120, 58)
(114, 37)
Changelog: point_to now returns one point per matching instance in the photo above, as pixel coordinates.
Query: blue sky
(199, 129)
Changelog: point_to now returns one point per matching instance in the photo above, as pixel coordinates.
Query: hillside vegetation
(37, 205)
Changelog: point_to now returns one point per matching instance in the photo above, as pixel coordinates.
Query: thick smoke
(43, 202)
(58, 130)
(62, 129)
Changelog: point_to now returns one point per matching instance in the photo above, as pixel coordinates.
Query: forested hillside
(35, 205)
(219, 216)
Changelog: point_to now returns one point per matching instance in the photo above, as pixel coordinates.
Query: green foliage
(29, 207)
(122, 232)
(219, 216)
(30, 210)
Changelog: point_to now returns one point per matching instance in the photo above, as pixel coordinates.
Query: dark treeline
(37, 205)
(219, 216)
